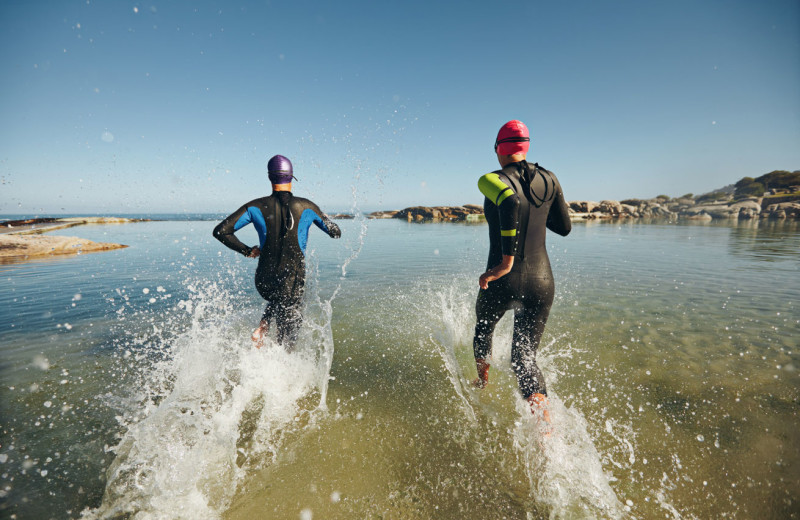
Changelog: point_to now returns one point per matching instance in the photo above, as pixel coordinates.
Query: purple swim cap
(279, 169)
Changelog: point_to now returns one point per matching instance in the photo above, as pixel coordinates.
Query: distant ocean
(130, 387)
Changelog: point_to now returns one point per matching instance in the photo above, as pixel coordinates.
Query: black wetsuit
(523, 200)
(282, 222)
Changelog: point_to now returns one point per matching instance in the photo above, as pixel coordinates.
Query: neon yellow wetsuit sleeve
(506, 202)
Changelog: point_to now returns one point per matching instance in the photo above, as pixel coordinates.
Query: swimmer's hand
(255, 252)
(496, 272)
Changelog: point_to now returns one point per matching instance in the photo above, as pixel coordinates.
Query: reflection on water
(767, 240)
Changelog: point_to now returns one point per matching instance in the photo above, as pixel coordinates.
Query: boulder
(454, 213)
(699, 216)
(583, 206)
(383, 214)
(747, 209)
(612, 207)
(719, 211)
(782, 210)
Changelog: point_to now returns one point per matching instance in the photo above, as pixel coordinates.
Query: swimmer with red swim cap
(522, 200)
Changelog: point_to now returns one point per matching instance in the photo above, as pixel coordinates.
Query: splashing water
(211, 409)
(562, 464)
(563, 467)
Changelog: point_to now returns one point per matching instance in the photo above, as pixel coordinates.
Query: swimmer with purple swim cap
(282, 222)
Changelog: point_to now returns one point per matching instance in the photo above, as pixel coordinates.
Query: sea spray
(563, 467)
(190, 441)
(562, 464)
(453, 330)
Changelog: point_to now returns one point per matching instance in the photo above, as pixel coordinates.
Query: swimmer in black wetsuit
(523, 200)
(282, 222)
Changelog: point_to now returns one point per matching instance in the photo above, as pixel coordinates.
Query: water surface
(130, 387)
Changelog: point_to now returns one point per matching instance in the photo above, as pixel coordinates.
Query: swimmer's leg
(529, 326)
(489, 311)
(289, 316)
(288, 320)
(263, 327)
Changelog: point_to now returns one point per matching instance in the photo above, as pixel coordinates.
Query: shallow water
(130, 386)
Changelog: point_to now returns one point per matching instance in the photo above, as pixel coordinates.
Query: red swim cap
(512, 138)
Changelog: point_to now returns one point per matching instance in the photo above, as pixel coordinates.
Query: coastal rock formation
(21, 240)
(40, 225)
(782, 210)
(672, 209)
(685, 208)
(21, 247)
(435, 213)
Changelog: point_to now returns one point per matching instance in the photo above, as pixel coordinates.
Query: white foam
(211, 411)
(563, 466)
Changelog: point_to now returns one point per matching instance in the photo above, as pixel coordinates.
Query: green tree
(779, 179)
(751, 189)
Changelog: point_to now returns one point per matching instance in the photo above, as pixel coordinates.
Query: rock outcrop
(15, 248)
(661, 207)
(21, 240)
(434, 213)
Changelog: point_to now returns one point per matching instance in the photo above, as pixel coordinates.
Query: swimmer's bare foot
(479, 383)
(539, 407)
(260, 333)
(483, 374)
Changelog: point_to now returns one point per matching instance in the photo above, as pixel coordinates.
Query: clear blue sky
(124, 107)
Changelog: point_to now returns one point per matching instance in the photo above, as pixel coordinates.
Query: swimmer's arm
(497, 271)
(322, 221)
(329, 226)
(558, 219)
(224, 232)
(507, 203)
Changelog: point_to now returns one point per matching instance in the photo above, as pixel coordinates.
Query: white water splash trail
(188, 441)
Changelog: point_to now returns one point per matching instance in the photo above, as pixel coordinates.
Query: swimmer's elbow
(218, 233)
(562, 227)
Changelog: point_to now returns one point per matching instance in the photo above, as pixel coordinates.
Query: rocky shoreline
(776, 206)
(21, 240)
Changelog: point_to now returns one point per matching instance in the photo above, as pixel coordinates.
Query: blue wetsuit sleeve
(224, 231)
(502, 196)
(313, 214)
(322, 221)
